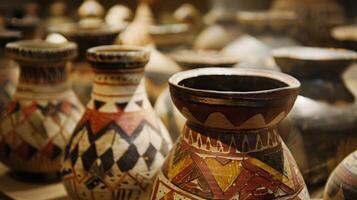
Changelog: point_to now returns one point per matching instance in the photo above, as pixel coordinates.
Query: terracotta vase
(119, 144)
(187, 59)
(9, 71)
(342, 182)
(230, 147)
(43, 114)
(315, 19)
(320, 131)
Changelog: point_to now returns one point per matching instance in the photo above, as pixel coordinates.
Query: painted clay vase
(44, 111)
(187, 59)
(119, 144)
(230, 147)
(315, 19)
(9, 71)
(342, 184)
(320, 130)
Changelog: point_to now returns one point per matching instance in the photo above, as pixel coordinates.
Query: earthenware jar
(342, 182)
(315, 19)
(320, 130)
(43, 114)
(230, 147)
(187, 59)
(119, 144)
(9, 71)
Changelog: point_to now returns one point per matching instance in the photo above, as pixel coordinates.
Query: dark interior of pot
(233, 83)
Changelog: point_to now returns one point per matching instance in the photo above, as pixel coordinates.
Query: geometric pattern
(194, 170)
(33, 133)
(116, 149)
(7, 89)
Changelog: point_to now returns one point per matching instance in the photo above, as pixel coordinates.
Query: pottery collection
(311, 133)
(44, 111)
(119, 144)
(230, 147)
(342, 182)
(253, 100)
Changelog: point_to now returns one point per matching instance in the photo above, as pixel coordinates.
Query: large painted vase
(230, 147)
(41, 117)
(119, 144)
(342, 184)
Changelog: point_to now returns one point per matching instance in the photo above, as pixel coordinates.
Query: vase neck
(39, 82)
(117, 87)
(231, 142)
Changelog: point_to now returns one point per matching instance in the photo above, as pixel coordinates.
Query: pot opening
(232, 83)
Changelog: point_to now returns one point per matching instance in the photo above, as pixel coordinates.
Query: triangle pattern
(121, 106)
(98, 104)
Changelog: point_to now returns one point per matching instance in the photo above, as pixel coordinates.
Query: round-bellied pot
(9, 71)
(44, 111)
(230, 147)
(342, 184)
(86, 37)
(187, 59)
(320, 130)
(119, 144)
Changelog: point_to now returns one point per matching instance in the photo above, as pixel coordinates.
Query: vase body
(316, 19)
(39, 120)
(342, 182)
(320, 130)
(9, 71)
(229, 147)
(119, 144)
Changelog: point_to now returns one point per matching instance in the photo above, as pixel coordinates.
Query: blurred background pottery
(230, 147)
(9, 71)
(187, 59)
(320, 130)
(346, 36)
(119, 144)
(44, 111)
(342, 182)
(315, 19)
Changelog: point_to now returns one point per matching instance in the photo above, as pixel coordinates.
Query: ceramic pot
(9, 71)
(320, 131)
(342, 182)
(187, 59)
(43, 114)
(230, 147)
(82, 76)
(119, 144)
(315, 19)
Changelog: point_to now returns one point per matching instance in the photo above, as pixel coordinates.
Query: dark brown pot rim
(291, 85)
(125, 56)
(345, 33)
(321, 54)
(40, 51)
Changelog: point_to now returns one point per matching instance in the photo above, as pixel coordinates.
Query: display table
(11, 187)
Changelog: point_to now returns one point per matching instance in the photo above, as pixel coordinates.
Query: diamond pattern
(129, 159)
(89, 157)
(149, 155)
(107, 160)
